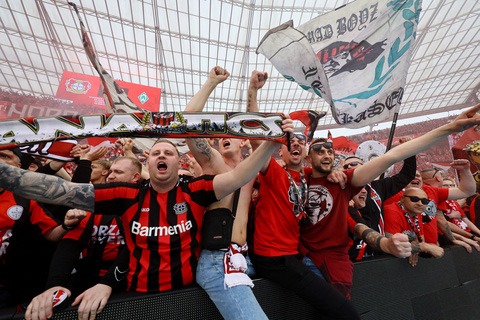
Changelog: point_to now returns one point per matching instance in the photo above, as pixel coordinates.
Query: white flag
(356, 57)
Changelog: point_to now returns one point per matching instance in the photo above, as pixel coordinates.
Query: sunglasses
(317, 147)
(299, 136)
(351, 164)
(435, 171)
(424, 201)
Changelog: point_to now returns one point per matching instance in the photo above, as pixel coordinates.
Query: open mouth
(226, 143)
(295, 153)
(415, 183)
(162, 166)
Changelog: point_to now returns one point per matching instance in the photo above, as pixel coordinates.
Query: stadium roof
(173, 44)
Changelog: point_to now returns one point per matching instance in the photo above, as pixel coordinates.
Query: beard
(322, 170)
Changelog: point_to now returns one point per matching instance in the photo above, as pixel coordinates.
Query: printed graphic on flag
(356, 57)
(143, 97)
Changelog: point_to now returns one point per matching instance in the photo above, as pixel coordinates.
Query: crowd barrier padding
(384, 288)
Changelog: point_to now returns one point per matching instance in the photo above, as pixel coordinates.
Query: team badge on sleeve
(15, 212)
(59, 296)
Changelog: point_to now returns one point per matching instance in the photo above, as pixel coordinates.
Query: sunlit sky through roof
(173, 44)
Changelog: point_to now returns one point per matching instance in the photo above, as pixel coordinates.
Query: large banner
(80, 89)
(147, 98)
(356, 57)
(84, 89)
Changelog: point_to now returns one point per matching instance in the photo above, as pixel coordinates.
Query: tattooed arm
(46, 188)
(397, 245)
(207, 157)
(216, 76)
(257, 81)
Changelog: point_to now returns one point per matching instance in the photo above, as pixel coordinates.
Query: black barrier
(386, 288)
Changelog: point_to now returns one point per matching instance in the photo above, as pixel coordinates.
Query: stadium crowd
(222, 213)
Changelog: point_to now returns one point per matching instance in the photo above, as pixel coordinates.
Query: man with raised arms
(162, 219)
(225, 286)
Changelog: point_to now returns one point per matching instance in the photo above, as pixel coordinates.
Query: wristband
(377, 243)
(366, 232)
(68, 228)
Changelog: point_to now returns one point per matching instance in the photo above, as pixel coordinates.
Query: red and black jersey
(163, 233)
(101, 237)
(15, 210)
(24, 252)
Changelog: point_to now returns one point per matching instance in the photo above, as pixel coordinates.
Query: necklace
(300, 195)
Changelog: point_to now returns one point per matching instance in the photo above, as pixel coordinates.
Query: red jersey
(276, 229)
(163, 233)
(327, 211)
(101, 237)
(13, 210)
(397, 222)
(438, 196)
(452, 206)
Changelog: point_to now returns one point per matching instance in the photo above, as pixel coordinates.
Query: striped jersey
(15, 210)
(162, 233)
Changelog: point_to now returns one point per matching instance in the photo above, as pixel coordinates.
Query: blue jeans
(237, 302)
(309, 263)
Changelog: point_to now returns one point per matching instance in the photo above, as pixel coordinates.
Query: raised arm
(377, 166)
(246, 170)
(216, 76)
(207, 157)
(127, 147)
(257, 81)
(467, 184)
(46, 188)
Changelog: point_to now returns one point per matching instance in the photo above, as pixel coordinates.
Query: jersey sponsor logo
(180, 208)
(110, 233)
(15, 212)
(145, 210)
(159, 231)
(319, 203)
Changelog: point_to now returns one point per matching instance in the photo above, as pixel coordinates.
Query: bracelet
(366, 232)
(68, 228)
(377, 243)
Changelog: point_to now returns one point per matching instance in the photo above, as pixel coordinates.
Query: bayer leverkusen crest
(77, 86)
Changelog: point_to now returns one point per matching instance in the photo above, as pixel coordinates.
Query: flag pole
(390, 136)
(392, 131)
